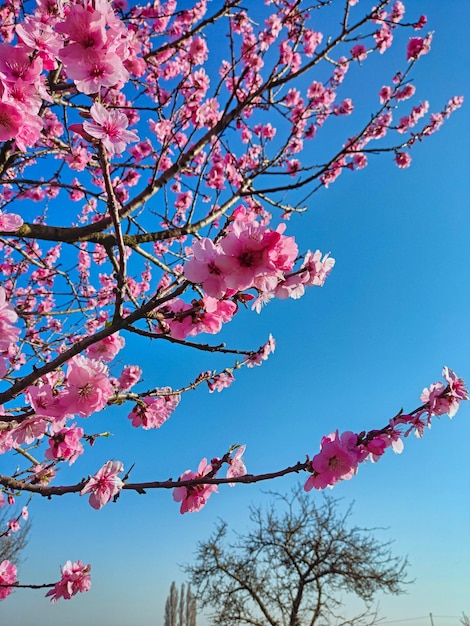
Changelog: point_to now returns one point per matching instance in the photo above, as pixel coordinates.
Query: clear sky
(348, 356)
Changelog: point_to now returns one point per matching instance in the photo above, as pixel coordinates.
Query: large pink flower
(88, 386)
(246, 255)
(202, 268)
(104, 485)
(109, 127)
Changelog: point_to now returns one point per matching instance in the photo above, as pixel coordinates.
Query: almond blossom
(193, 498)
(104, 485)
(110, 127)
(75, 579)
(7, 576)
(236, 465)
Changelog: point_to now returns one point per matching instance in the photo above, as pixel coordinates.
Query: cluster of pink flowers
(75, 579)
(194, 497)
(340, 455)
(153, 411)
(251, 256)
(22, 92)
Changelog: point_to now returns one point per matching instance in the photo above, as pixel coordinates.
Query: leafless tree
(293, 567)
(180, 607)
(12, 543)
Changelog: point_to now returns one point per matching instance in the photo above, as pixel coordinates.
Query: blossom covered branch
(174, 159)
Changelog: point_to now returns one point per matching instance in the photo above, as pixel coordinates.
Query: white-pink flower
(109, 126)
(104, 485)
(237, 466)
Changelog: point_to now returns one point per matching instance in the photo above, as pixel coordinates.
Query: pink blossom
(65, 444)
(75, 578)
(263, 353)
(96, 69)
(107, 348)
(152, 412)
(403, 159)
(417, 46)
(29, 430)
(8, 332)
(45, 401)
(236, 465)
(421, 23)
(15, 64)
(10, 222)
(337, 460)
(109, 126)
(407, 92)
(202, 268)
(11, 120)
(359, 52)
(383, 38)
(104, 485)
(129, 376)
(440, 399)
(316, 269)
(385, 94)
(398, 11)
(220, 381)
(193, 498)
(88, 386)
(7, 576)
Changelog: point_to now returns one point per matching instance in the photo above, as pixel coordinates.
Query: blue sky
(348, 356)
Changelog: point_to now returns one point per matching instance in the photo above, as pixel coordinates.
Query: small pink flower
(359, 52)
(75, 578)
(403, 160)
(104, 485)
(236, 467)
(220, 381)
(14, 525)
(417, 46)
(129, 376)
